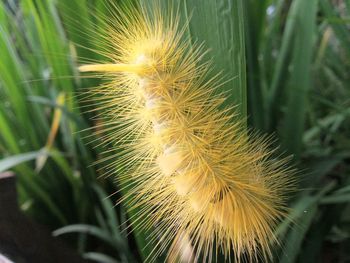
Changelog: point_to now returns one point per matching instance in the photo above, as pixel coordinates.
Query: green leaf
(298, 209)
(220, 26)
(276, 88)
(109, 211)
(292, 245)
(300, 82)
(255, 24)
(15, 160)
(343, 190)
(302, 214)
(88, 229)
(337, 198)
(99, 257)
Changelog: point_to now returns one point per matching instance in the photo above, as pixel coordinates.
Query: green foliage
(220, 26)
(38, 63)
(298, 88)
(297, 58)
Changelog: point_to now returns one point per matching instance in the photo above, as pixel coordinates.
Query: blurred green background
(290, 60)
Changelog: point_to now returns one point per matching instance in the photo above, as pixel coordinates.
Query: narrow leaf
(15, 160)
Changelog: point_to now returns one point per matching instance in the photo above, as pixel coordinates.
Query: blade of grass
(300, 82)
(337, 198)
(220, 25)
(88, 229)
(276, 87)
(255, 16)
(11, 162)
(108, 209)
(40, 162)
(295, 238)
(303, 214)
(99, 257)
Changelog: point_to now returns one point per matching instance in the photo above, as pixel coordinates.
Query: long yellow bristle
(132, 68)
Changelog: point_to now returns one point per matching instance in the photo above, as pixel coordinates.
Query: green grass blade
(276, 88)
(303, 213)
(109, 211)
(220, 25)
(88, 229)
(344, 189)
(300, 81)
(99, 257)
(295, 238)
(334, 199)
(11, 162)
(255, 16)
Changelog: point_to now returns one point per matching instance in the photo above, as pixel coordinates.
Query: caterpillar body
(191, 169)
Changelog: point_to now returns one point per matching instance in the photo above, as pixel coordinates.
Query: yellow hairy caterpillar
(191, 169)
